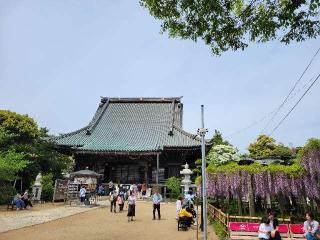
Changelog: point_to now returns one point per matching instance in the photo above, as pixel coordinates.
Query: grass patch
(219, 230)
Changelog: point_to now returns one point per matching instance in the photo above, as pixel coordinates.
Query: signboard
(72, 190)
(60, 190)
(234, 226)
(253, 227)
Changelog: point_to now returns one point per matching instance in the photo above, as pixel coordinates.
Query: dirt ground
(100, 224)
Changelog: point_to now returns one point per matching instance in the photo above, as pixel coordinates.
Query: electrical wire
(262, 119)
(292, 89)
(296, 104)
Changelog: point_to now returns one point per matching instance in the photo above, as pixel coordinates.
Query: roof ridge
(144, 99)
(193, 136)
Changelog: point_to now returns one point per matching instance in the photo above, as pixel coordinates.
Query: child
(264, 229)
(120, 201)
(178, 206)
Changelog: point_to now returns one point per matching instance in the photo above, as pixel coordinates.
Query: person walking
(156, 199)
(131, 206)
(82, 194)
(113, 200)
(120, 200)
(110, 185)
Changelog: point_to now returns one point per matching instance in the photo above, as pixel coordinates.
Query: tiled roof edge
(145, 99)
(94, 124)
(70, 133)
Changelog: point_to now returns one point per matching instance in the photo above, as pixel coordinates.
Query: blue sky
(58, 57)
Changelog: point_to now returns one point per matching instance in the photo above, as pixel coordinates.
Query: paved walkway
(100, 224)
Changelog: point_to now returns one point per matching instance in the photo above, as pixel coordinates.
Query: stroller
(185, 222)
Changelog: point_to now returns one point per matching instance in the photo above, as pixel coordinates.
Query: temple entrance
(127, 173)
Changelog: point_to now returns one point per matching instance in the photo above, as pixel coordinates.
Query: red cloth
(296, 228)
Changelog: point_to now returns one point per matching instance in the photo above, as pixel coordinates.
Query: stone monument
(186, 182)
(37, 188)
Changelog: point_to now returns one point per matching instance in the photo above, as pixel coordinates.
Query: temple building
(133, 140)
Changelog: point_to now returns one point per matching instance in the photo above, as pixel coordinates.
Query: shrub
(47, 187)
(7, 192)
(174, 186)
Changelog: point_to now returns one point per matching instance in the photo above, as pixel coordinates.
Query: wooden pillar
(146, 173)
(157, 174)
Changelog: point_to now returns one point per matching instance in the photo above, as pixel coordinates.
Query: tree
(20, 127)
(231, 24)
(10, 164)
(266, 146)
(217, 139)
(22, 139)
(222, 154)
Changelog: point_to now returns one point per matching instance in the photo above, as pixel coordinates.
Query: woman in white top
(264, 229)
(131, 206)
(310, 227)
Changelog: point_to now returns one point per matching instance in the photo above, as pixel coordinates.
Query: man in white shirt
(113, 200)
(156, 199)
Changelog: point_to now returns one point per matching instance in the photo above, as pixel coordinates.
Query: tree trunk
(268, 202)
(252, 211)
(239, 202)
(318, 205)
(304, 204)
(281, 201)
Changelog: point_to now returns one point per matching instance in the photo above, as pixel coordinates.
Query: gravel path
(100, 224)
(10, 220)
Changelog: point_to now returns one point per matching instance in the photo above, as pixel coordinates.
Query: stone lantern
(186, 182)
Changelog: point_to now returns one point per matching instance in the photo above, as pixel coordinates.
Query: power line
(262, 119)
(251, 125)
(292, 89)
(284, 118)
(288, 98)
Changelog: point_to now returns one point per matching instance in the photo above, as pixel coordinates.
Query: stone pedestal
(37, 188)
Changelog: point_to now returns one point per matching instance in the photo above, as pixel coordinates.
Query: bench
(248, 231)
(11, 205)
(297, 232)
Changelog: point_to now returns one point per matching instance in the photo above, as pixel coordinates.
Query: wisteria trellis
(266, 183)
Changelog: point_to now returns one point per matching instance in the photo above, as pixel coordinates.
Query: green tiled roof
(132, 125)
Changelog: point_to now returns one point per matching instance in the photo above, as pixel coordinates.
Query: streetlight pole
(202, 132)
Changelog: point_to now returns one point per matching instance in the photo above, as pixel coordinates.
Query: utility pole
(202, 132)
